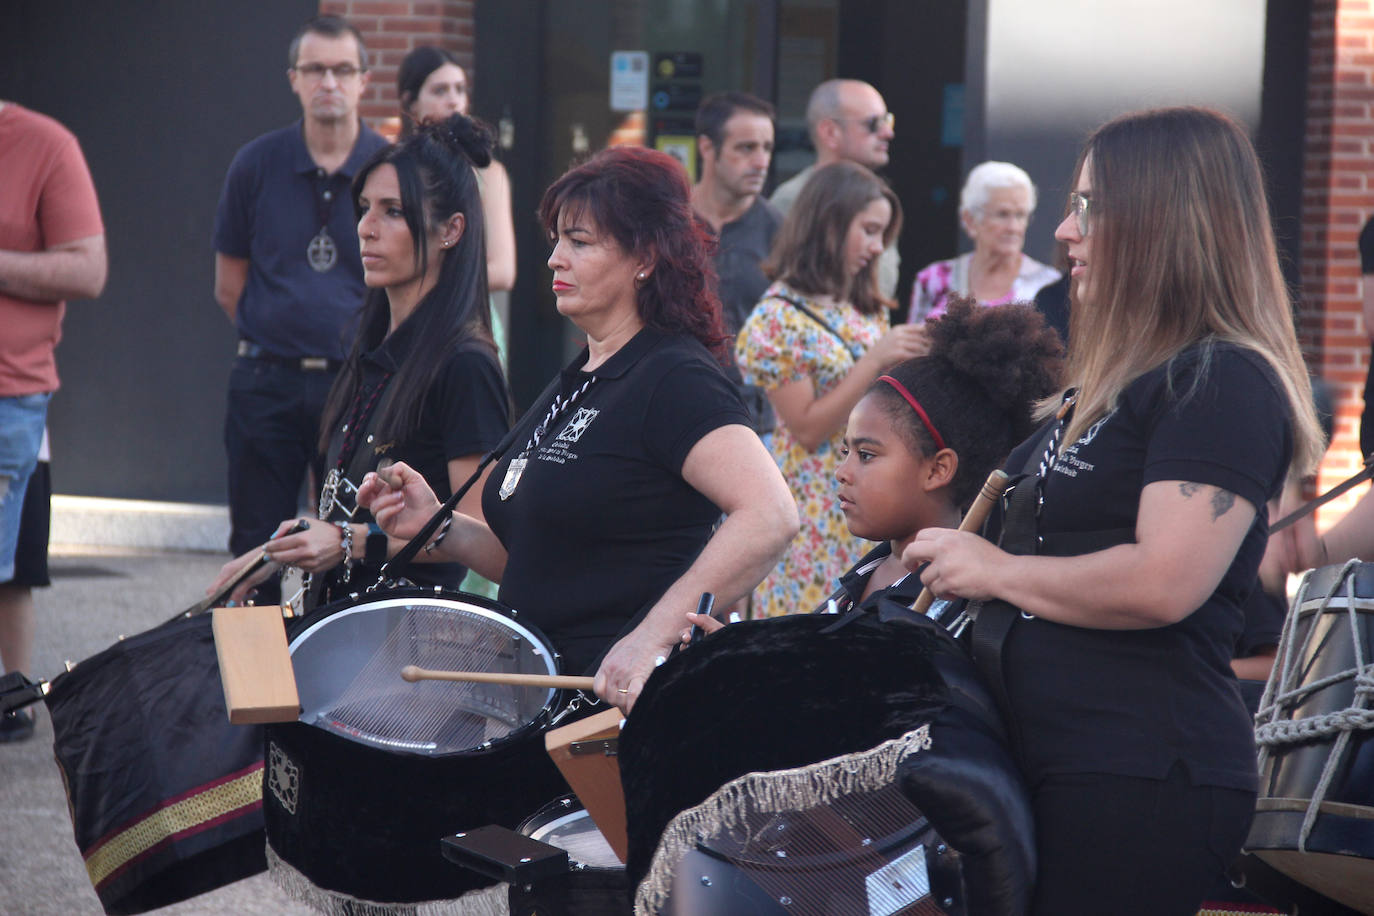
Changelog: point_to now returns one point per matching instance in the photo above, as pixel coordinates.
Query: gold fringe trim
(190, 812)
(772, 792)
(487, 901)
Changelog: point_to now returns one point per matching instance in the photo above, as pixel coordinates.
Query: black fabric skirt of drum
(789, 692)
(767, 695)
(367, 823)
(163, 791)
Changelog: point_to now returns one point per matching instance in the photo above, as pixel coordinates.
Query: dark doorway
(161, 95)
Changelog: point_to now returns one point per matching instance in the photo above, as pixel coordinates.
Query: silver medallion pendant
(328, 492)
(512, 479)
(322, 252)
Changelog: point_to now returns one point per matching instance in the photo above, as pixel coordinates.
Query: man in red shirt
(52, 248)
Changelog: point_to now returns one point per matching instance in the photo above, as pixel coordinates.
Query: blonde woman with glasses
(1192, 405)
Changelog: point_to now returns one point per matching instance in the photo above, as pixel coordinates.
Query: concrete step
(94, 522)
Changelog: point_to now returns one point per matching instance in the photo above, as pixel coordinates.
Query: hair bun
(467, 136)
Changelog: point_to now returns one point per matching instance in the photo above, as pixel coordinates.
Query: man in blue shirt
(288, 274)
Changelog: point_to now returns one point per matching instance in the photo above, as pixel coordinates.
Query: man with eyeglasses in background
(288, 274)
(847, 119)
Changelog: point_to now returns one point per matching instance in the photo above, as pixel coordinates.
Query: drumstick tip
(411, 673)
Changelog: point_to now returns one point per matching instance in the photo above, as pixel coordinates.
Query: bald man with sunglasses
(848, 120)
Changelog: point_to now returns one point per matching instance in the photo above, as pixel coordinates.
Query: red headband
(916, 406)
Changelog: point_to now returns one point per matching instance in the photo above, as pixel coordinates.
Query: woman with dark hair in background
(1192, 404)
(599, 519)
(815, 342)
(432, 85)
(422, 384)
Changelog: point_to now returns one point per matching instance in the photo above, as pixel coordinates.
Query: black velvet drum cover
(772, 696)
(358, 795)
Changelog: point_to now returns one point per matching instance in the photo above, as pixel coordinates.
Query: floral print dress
(780, 344)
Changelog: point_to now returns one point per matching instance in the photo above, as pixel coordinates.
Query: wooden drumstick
(412, 673)
(977, 514)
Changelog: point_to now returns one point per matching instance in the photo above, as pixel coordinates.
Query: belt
(250, 350)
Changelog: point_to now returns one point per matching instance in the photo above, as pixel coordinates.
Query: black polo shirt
(1135, 702)
(274, 195)
(464, 413)
(602, 522)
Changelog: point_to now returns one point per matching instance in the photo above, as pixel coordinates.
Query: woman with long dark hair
(601, 520)
(422, 383)
(1190, 405)
(815, 342)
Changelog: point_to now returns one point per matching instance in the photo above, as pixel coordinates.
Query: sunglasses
(875, 123)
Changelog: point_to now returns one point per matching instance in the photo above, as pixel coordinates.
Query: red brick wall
(393, 27)
(1338, 197)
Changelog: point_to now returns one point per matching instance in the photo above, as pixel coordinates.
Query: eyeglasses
(1078, 206)
(875, 123)
(341, 72)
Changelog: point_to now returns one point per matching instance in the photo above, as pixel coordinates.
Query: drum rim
(553, 812)
(485, 607)
(394, 597)
(552, 815)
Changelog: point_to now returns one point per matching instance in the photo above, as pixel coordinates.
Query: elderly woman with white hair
(995, 208)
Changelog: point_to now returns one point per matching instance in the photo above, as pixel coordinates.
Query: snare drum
(1314, 820)
(595, 883)
(359, 792)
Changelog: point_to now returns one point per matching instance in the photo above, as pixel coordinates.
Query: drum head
(348, 659)
(566, 824)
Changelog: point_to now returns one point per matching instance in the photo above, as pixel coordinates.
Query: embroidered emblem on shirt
(1093, 430)
(578, 424)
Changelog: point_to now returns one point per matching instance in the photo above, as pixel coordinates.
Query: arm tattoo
(1222, 501)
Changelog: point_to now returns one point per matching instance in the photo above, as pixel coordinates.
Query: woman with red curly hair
(599, 518)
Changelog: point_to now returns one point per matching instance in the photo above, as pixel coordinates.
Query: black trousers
(271, 430)
(1133, 847)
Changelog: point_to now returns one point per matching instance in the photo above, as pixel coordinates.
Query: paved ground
(94, 599)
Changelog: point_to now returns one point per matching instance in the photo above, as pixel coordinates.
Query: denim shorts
(21, 432)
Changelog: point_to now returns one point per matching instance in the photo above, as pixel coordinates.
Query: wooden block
(584, 753)
(255, 665)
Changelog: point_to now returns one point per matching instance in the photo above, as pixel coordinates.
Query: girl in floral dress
(816, 341)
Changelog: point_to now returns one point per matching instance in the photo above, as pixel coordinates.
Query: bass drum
(594, 884)
(1314, 820)
(359, 792)
(861, 769)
